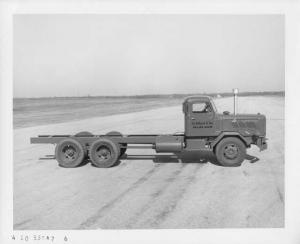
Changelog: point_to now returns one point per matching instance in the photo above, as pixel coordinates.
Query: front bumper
(261, 142)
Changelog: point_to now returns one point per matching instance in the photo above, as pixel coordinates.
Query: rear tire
(123, 146)
(230, 151)
(104, 153)
(69, 153)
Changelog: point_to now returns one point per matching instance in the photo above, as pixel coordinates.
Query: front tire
(69, 153)
(104, 153)
(230, 151)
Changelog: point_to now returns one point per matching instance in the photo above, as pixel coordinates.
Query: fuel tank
(169, 143)
(245, 124)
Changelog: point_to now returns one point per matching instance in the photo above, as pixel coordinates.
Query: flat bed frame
(88, 139)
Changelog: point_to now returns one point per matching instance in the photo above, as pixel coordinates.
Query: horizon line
(159, 95)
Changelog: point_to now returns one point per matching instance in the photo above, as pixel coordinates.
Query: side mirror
(226, 113)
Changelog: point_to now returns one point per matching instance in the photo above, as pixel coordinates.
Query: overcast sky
(78, 55)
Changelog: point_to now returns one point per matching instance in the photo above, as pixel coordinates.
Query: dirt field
(150, 191)
(30, 112)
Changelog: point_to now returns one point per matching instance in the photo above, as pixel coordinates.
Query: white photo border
(289, 234)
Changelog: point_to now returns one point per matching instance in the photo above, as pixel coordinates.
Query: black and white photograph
(122, 125)
(148, 115)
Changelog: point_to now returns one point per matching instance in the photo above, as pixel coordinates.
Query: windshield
(213, 105)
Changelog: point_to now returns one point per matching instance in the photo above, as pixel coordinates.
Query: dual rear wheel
(69, 153)
(103, 152)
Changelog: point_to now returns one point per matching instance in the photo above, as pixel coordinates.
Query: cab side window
(201, 107)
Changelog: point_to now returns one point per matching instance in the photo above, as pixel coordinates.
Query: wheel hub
(70, 153)
(103, 153)
(231, 151)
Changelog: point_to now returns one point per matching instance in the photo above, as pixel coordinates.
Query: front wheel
(230, 151)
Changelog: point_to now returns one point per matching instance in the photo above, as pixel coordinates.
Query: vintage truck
(226, 135)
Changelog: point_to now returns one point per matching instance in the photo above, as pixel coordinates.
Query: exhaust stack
(235, 92)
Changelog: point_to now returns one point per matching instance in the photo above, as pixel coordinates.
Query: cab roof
(192, 99)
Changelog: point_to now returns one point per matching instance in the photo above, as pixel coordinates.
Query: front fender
(246, 140)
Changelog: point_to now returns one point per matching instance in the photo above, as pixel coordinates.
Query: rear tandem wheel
(104, 153)
(69, 153)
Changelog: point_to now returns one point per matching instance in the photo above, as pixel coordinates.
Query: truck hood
(245, 124)
(242, 116)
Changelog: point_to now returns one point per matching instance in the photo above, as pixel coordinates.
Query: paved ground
(148, 191)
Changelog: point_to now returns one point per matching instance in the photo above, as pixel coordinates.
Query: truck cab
(205, 127)
(201, 117)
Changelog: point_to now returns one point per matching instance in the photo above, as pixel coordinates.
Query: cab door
(200, 119)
